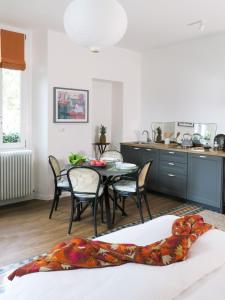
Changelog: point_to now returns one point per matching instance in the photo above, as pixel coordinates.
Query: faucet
(147, 135)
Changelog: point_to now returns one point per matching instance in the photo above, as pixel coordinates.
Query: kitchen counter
(174, 147)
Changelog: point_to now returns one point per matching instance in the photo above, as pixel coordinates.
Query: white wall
(101, 108)
(70, 66)
(117, 115)
(107, 98)
(74, 67)
(185, 82)
(40, 114)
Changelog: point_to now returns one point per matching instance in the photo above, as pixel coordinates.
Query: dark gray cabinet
(172, 179)
(131, 154)
(173, 184)
(139, 156)
(205, 180)
(195, 177)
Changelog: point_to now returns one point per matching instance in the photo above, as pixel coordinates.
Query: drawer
(173, 167)
(205, 157)
(173, 184)
(173, 156)
(150, 151)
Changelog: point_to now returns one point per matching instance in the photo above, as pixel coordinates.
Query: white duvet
(185, 280)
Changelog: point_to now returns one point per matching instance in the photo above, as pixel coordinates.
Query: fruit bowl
(98, 163)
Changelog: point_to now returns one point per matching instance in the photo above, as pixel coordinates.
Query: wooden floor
(26, 231)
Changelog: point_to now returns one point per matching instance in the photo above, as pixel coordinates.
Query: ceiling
(152, 23)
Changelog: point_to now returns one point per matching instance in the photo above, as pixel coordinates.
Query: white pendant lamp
(95, 24)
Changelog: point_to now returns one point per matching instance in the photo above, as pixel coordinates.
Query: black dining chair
(60, 181)
(86, 188)
(128, 186)
(112, 154)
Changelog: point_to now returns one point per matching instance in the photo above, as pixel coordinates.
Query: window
(11, 115)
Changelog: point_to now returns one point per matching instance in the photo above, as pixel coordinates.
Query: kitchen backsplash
(206, 131)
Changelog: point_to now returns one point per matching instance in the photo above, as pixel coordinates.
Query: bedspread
(84, 253)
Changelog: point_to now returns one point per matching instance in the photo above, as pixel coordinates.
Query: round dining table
(108, 173)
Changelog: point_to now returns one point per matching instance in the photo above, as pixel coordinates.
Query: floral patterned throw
(83, 253)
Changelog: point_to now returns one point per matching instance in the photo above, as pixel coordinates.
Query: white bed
(201, 276)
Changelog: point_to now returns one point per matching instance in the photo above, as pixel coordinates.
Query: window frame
(22, 143)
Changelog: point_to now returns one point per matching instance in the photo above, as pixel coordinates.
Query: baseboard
(38, 196)
(48, 197)
(35, 196)
(16, 200)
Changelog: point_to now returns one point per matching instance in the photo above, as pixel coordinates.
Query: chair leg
(139, 196)
(53, 203)
(92, 209)
(71, 215)
(114, 207)
(78, 212)
(57, 200)
(123, 206)
(102, 209)
(147, 205)
(136, 202)
(95, 205)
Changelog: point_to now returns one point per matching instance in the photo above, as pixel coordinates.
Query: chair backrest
(142, 174)
(112, 154)
(54, 166)
(84, 180)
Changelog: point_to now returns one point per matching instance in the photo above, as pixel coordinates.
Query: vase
(102, 138)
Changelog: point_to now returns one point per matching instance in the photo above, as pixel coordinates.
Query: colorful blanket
(84, 253)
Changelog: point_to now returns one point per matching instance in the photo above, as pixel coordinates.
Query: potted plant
(102, 139)
(159, 135)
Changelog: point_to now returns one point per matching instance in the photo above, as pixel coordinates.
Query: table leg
(77, 214)
(107, 207)
(119, 207)
(101, 149)
(124, 214)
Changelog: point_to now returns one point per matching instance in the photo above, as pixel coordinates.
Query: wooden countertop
(174, 147)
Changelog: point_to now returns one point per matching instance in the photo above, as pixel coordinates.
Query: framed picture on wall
(185, 124)
(70, 105)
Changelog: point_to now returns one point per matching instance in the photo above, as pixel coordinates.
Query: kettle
(196, 139)
(187, 140)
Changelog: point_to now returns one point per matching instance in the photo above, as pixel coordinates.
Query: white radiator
(15, 174)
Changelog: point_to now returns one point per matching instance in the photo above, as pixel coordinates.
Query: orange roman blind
(12, 50)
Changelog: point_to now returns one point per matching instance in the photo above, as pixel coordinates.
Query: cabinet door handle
(202, 156)
(136, 148)
(171, 152)
(171, 164)
(171, 175)
(148, 149)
